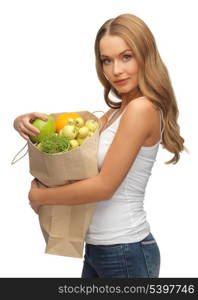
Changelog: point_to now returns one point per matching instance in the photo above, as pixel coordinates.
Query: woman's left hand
(34, 196)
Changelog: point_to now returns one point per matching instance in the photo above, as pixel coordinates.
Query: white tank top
(122, 219)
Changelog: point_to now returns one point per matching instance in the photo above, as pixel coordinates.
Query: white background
(47, 64)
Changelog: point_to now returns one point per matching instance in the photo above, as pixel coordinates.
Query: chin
(125, 90)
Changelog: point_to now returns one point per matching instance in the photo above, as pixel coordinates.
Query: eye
(104, 60)
(127, 55)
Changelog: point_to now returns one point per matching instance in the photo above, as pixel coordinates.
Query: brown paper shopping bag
(64, 227)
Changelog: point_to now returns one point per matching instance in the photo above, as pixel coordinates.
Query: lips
(119, 81)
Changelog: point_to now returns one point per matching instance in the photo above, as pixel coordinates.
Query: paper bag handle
(14, 160)
(104, 114)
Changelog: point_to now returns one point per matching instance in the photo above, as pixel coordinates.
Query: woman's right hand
(23, 125)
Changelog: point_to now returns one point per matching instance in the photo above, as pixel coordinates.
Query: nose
(117, 68)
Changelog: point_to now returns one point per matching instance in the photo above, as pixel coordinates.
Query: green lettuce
(54, 144)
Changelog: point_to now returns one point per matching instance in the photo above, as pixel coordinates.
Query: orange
(61, 120)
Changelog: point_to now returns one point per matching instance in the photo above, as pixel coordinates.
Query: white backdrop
(47, 64)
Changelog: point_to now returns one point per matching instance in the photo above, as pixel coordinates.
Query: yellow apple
(90, 133)
(70, 121)
(83, 132)
(80, 140)
(92, 124)
(69, 131)
(79, 122)
(74, 143)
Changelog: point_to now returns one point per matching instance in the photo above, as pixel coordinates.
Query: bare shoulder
(139, 109)
(142, 103)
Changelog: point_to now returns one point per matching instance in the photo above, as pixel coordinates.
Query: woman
(119, 242)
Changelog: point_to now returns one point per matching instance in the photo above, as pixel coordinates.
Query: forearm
(85, 191)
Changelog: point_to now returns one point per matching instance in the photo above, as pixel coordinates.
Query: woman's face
(119, 63)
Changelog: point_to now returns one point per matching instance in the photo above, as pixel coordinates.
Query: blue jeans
(130, 260)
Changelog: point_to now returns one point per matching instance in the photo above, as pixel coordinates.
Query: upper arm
(134, 128)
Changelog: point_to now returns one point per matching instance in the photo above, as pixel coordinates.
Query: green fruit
(45, 127)
(83, 132)
(80, 140)
(74, 143)
(92, 124)
(69, 131)
(90, 133)
(79, 122)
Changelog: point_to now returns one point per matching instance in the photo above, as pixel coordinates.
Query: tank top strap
(111, 116)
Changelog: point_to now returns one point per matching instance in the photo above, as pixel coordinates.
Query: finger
(26, 131)
(30, 127)
(26, 137)
(38, 115)
(34, 183)
(35, 210)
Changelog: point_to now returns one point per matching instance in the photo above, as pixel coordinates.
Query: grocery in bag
(64, 227)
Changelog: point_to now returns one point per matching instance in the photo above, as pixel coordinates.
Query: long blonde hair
(153, 81)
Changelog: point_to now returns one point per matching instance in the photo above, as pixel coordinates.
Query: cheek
(133, 68)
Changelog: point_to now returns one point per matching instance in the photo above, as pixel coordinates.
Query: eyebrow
(103, 55)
